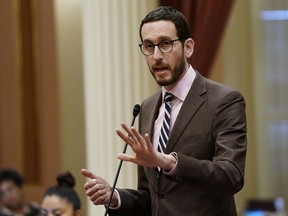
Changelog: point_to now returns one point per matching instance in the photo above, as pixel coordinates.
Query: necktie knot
(168, 97)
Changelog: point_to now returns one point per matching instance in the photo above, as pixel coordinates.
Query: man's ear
(189, 47)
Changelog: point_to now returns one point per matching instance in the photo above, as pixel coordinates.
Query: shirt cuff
(119, 201)
(173, 170)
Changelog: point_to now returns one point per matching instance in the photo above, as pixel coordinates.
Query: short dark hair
(168, 13)
(11, 175)
(64, 189)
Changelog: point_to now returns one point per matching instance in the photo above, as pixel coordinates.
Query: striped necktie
(164, 133)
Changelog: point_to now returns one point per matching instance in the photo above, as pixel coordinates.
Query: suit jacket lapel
(189, 108)
(151, 113)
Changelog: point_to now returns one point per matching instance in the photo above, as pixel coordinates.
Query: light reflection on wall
(274, 15)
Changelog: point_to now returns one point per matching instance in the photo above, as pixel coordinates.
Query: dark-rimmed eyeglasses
(165, 46)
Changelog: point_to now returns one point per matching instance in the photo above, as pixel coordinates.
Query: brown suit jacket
(209, 136)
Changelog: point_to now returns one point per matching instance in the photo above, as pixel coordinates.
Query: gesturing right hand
(98, 189)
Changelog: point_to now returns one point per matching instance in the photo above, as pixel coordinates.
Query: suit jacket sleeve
(134, 200)
(214, 153)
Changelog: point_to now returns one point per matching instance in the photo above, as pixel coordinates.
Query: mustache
(160, 66)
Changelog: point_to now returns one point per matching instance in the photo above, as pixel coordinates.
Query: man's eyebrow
(162, 38)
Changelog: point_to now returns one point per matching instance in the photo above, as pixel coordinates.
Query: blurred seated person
(12, 195)
(61, 199)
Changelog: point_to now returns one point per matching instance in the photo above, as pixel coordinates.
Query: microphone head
(136, 110)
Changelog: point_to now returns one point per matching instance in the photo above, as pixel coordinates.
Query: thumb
(88, 174)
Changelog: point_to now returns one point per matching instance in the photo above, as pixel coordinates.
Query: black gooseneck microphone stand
(136, 111)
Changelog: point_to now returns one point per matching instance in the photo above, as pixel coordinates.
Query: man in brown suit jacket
(202, 165)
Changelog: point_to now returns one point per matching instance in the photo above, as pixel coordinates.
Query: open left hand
(145, 155)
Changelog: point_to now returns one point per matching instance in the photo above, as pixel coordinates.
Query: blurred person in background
(12, 196)
(61, 199)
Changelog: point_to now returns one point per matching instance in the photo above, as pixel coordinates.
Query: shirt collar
(181, 89)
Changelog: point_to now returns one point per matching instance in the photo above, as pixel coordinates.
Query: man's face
(11, 195)
(166, 68)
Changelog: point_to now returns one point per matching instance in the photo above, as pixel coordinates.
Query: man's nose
(157, 53)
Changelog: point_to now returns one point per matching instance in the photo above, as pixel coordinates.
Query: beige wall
(68, 23)
(233, 67)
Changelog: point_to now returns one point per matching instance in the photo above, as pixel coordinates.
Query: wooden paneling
(31, 163)
(10, 87)
(29, 131)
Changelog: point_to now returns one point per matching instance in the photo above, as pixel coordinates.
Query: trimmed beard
(175, 74)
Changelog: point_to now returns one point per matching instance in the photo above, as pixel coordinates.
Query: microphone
(136, 111)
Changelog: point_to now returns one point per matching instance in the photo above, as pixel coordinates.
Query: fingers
(88, 174)
(133, 137)
(97, 188)
(124, 137)
(136, 136)
(148, 142)
(100, 200)
(98, 193)
(125, 157)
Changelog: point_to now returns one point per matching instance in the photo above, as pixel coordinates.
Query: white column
(116, 77)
